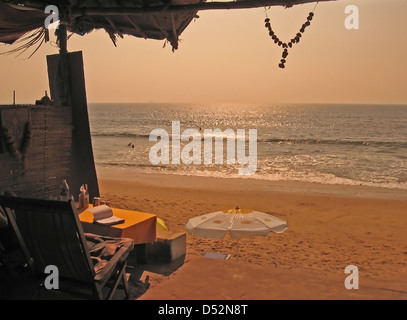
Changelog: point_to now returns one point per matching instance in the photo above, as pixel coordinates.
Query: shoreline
(299, 187)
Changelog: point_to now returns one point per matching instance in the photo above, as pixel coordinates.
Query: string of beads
(293, 41)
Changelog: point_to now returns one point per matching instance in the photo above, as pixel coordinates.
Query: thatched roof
(16, 20)
(149, 19)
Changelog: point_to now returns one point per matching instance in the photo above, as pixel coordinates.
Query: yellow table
(139, 226)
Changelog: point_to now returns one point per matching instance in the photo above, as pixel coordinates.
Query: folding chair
(51, 234)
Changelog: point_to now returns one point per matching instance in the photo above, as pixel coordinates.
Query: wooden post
(83, 168)
(62, 39)
(62, 77)
(14, 97)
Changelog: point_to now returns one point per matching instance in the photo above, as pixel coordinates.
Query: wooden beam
(62, 39)
(244, 4)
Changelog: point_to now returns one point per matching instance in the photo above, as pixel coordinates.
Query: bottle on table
(84, 197)
(64, 193)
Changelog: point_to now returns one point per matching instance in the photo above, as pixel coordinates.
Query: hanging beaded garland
(293, 41)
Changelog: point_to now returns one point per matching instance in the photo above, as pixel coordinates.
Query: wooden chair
(51, 234)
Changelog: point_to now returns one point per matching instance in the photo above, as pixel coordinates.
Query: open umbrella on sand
(239, 223)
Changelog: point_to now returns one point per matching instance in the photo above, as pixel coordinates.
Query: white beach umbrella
(239, 223)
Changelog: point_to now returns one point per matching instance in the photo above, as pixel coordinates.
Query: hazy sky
(228, 57)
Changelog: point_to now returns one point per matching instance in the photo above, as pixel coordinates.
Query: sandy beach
(330, 226)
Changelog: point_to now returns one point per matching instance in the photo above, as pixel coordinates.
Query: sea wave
(284, 175)
(309, 141)
(155, 137)
(119, 134)
(398, 144)
(331, 144)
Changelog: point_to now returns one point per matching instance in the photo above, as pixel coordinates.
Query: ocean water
(324, 143)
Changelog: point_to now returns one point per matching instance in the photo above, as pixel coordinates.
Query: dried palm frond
(34, 38)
